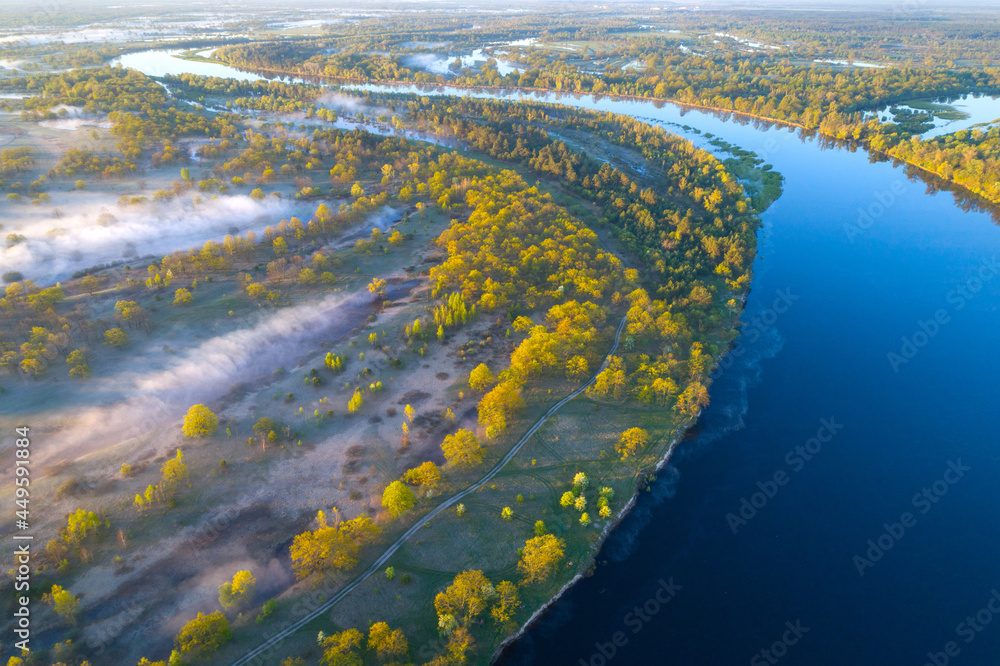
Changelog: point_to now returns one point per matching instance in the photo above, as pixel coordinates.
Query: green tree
(203, 635)
(397, 499)
(200, 422)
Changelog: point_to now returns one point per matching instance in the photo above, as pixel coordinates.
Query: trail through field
(259, 651)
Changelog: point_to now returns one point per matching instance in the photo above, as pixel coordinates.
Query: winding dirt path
(260, 650)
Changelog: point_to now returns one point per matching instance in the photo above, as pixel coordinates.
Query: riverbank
(977, 193)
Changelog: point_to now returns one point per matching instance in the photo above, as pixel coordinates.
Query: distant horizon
(902, 5)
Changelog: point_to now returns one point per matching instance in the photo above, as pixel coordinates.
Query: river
(835, 503)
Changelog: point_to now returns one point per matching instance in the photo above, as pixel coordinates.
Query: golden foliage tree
(330, 546)
(631, 442)
(541, 556)
(462, 449)
(200, 422)
(203, 635)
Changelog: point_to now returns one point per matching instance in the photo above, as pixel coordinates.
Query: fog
(54, 248)
(158, 386)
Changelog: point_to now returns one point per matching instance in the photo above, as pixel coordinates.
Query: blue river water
(837, 502)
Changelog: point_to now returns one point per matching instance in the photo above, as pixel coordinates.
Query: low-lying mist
(54, 248)
(158, 386)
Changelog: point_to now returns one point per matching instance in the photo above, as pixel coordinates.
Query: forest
(526, 265)
(370, 297)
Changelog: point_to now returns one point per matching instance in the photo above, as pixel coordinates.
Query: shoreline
(964, 189)
(610, 527)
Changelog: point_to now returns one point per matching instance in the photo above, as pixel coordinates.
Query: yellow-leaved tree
(200, 422)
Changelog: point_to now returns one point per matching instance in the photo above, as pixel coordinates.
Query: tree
(577, 367)
(330, 546)
(612, 380)
(78, 366)
(480, 377)
(426, 474)
(200, 422)
(467, 597)
(377, 287)
(256, 291)
(540, 558)
(238, 592)
(80, 524)
(64, 603)
(631, 442)
(203, 635)
(342, 649)
(183, 297)
(264, 426)
(116, 337)
(460, 642)
(507, 603)
(397, 499)
(691, 401)
(388, 644)
(498, 405)
(173, 473)
(90, 284)
(462, 449)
